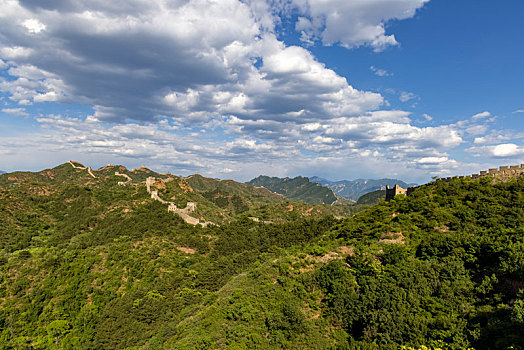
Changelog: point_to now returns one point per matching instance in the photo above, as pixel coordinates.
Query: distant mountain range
(298, 188)
(354, 189)
(2, 172)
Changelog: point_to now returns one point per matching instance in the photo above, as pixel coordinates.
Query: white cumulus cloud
(144, 59)
(506, 150)
(157, 72)
(353, 23)
(33, 25)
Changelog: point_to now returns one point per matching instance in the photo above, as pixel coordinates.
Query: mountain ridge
(354, 189)
(298, 188)
(195, 198)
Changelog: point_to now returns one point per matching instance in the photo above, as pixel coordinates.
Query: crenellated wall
(123, 183)
(183, 213)
(392, 192)
(502, 173)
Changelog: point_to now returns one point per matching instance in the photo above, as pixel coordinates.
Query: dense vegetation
(354, 189)
(298, 188)
(85, 263)
(372, 197)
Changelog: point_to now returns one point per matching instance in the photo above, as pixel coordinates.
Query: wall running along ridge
(122, 183)
(504, 173)
(183, 213)
(83, 168)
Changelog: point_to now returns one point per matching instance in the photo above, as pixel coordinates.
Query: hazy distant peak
(354, 189)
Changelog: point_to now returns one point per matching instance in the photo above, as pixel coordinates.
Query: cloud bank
(202, 84)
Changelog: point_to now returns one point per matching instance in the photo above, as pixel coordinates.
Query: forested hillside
(372, 197)
(88, 264)
(298, 189)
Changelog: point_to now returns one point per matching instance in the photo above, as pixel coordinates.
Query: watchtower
(392, 192)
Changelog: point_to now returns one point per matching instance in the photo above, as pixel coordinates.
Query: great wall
(150, 181)
(123, 183)
(183, 213)
(503, 173)
(89, 171)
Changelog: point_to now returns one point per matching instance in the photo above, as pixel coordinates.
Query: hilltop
(211, 200)
(298, 188)
(88, 263)
(354, 189)
(371, 198)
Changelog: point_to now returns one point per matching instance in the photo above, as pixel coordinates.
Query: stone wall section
(89, 171)
(123, 183)
(392, 192)
(171, 207)
(503, 173)
(150, 181)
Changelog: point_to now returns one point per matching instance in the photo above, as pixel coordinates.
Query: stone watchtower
(392, 192)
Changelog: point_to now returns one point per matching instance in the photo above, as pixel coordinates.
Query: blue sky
(341, 89)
